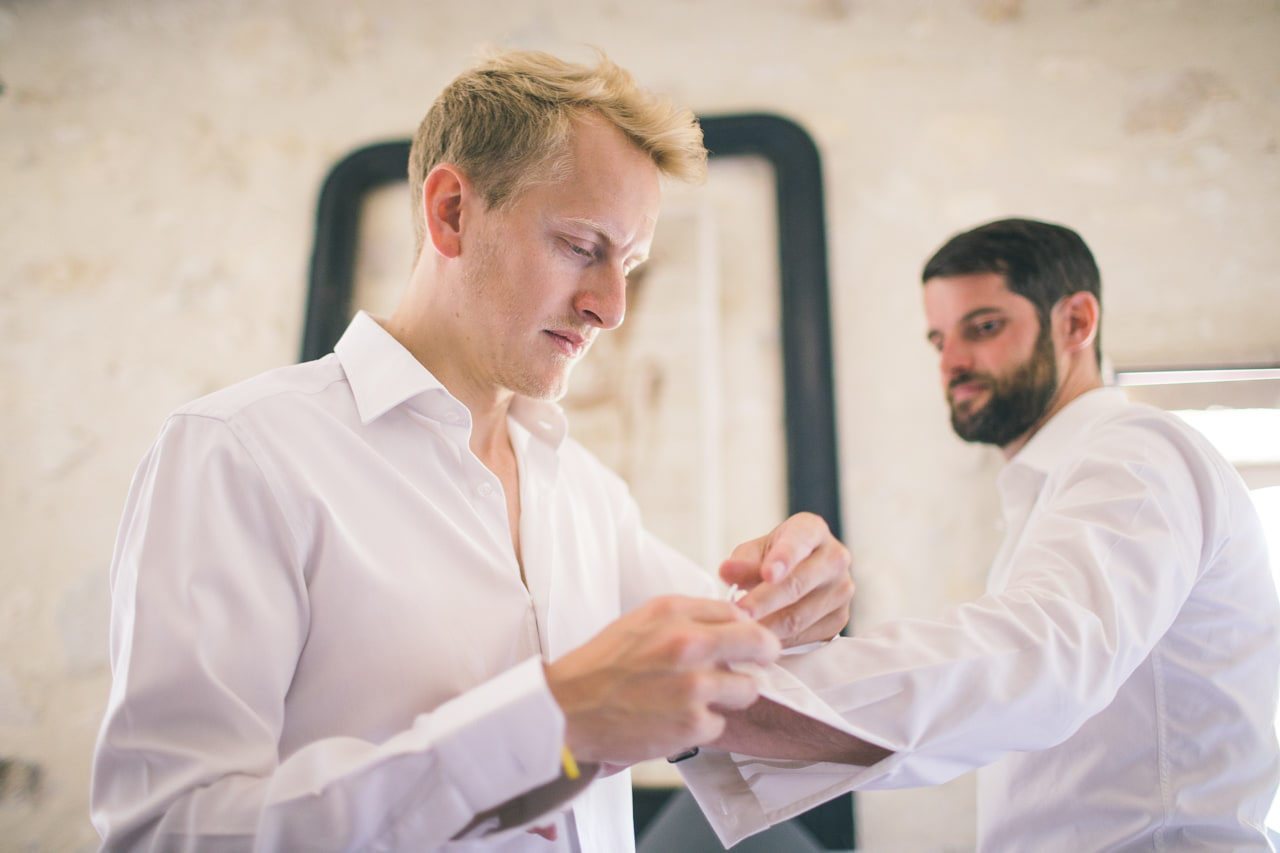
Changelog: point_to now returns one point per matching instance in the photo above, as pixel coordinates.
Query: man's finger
(825, 629)
(743, 641)
(746, 642)
(792, 541)
(708, 610)
(788, 623)
(768, 597)
(732, 691)
(751, 551)
(744, 573)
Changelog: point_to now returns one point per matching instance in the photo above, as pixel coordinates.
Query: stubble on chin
(549, 387)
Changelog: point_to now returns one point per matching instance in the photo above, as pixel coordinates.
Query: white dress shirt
(320, 639)
(1119, 677)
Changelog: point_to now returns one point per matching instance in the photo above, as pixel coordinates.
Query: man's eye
(986, 328)
(580, 251)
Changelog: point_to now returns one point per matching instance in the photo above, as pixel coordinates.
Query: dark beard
(1018, 400)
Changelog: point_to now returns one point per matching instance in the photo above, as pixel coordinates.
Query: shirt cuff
(742, 794)
(500, 739)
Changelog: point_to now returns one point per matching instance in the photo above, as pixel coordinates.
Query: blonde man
(380, 600)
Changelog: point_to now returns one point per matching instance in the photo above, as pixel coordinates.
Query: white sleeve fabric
(209, 616)
(1099, 574)
(650, 567)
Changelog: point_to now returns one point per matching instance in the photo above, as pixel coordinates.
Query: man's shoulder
(1137, 434)
(292, 385)
(1141, 423)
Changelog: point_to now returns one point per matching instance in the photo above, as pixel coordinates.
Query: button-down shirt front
(1119, 676)
(320, 638)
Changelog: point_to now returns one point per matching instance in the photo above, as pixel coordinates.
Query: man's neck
(490, 439)
(1072, 387)
(487, 403)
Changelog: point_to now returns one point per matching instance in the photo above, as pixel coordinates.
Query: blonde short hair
(506, 122)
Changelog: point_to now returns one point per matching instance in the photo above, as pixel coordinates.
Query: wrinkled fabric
(320, 639)
(1117, 683)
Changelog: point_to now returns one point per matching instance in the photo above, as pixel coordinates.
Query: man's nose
(955, 359)
(602, 302)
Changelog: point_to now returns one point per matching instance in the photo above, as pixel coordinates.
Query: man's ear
(1078, 318)
(442, 196)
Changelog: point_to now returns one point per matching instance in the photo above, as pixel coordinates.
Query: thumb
(743, 565)
(790, 543)
(744, 573)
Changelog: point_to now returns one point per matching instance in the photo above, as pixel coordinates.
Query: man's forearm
(769, 730)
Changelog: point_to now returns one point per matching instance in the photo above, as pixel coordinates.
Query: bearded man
(1117, 683)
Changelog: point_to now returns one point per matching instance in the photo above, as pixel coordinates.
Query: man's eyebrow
(978, 312)
(603, 231)
(931, 335)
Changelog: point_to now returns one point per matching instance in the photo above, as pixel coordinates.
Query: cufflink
(681, 756)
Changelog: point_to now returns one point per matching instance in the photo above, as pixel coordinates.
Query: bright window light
(1244, 436)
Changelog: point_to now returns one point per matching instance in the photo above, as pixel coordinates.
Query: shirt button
(484, 490)
(452, 416)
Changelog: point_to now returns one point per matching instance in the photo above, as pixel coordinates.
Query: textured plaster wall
(159, 162)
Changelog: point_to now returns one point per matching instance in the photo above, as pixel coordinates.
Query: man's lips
(570, 343)
(959, 392)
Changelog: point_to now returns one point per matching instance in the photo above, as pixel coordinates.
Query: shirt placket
(483, 492)
(536, 463)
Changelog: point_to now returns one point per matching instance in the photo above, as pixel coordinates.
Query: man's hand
(798, 580)
(651, 683)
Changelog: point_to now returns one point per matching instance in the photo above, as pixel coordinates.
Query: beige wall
(159, 161)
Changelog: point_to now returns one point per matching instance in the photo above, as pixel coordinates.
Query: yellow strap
(566, 761)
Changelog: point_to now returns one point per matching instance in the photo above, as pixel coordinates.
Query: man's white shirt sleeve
(1100, 561)
(225, 616)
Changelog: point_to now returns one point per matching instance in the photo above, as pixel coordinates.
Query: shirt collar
(383, 375)
(542, 419)
(1042, 450)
